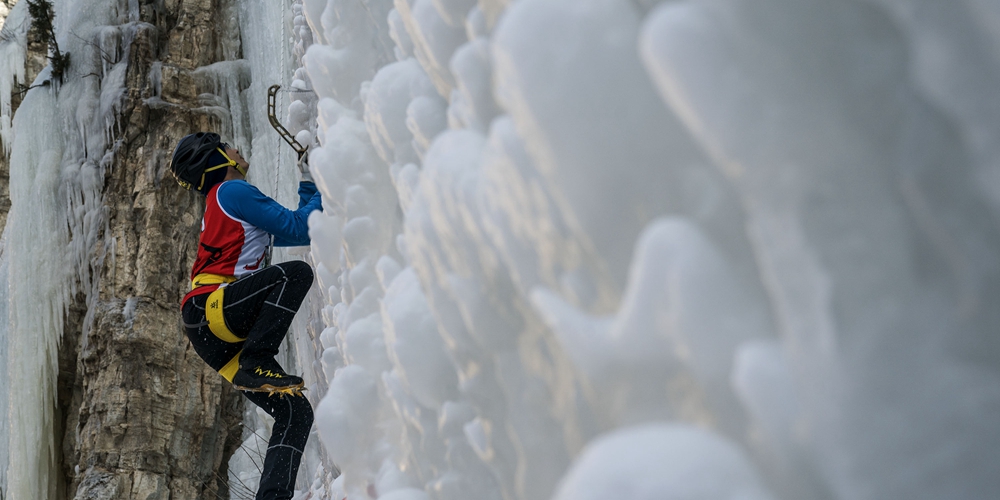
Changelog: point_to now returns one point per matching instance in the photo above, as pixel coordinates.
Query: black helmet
(191, 156)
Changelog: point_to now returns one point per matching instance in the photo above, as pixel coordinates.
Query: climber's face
(235, 155)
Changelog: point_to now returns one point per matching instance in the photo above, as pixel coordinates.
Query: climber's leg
(293, 418)
(261, 306)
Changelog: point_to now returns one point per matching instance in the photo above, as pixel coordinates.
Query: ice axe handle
(272, 97)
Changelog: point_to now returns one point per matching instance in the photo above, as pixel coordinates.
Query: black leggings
(259, 307)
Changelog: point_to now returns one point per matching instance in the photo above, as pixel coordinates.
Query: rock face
(142, 416)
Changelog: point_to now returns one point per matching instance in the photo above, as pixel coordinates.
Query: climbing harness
(210, 279)
(233, 366)
(213, 306)
(216, 320)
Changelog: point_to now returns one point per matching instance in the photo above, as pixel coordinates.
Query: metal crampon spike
(291, 391)
(271, 390)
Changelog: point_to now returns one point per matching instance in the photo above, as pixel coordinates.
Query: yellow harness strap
(216, 321)
(210, 279)
(229, 371)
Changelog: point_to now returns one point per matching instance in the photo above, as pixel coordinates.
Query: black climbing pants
(293, 418)
(259, 308)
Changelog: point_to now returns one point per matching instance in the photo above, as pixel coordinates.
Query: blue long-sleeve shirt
(289, 227)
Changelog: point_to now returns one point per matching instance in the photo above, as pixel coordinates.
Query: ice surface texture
(870, 227)
(639, 249)
(776, 222)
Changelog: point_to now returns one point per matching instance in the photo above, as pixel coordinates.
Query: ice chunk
(406, 180)
(387, 269)
(453, 11)
(355, 51)
(475, 24)
(392, 90)
(344, 414)
(312, 10)
(415, 346)
(425, 119)
(473, 76)
(326, 235)
(434, 40)
(661, 462)
(593, 134)
(298, 116)
(397, 30)
(668, 328)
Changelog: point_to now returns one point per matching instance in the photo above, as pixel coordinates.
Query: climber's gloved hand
(304, 167)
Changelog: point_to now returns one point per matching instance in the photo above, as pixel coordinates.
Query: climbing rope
(281, 77)
(282, 46)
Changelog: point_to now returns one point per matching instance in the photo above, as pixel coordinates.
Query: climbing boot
(267, 376)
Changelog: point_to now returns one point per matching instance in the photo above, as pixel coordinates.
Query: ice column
(13, 46)
(58, 157)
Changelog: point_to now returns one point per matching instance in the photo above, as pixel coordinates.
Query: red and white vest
(228, 247)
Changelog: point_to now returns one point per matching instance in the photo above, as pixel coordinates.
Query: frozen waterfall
(640, 243)
(595, 249)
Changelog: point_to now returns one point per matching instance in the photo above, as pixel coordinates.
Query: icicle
(5, 402)
(57, 163)
(13, 49)
(229, 79)
(35, 239)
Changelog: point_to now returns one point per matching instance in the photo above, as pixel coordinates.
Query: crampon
(292, 390)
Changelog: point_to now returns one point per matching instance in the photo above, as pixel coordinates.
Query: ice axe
(272, 98)
(272, 95)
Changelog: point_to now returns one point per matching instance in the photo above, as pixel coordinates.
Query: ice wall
(623, 249)
(870, 222)
(760, 235)
(50, 243)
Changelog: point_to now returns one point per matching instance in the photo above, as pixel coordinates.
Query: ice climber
(239, 310)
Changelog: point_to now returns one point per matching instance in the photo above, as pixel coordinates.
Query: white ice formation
(59, 149)
(637, 249)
